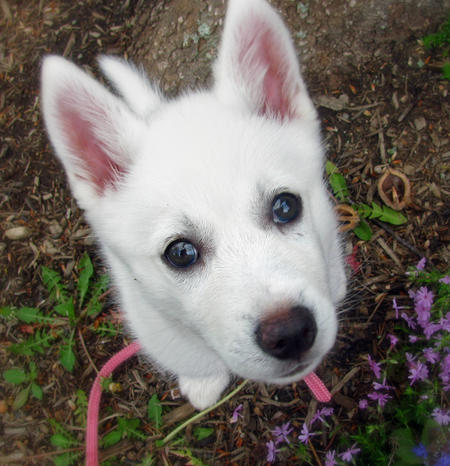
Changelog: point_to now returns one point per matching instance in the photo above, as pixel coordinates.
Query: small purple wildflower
(413, 338)
(305, 434)
(441, 417)
(348, 454)
(417, 371)
(363, 404)
(396, 307)
(421, 264)
(382, 398)
(445, 322)
(409, 320)
(376, 368)
(282, 432)
(445, 280)
(420, 451)
(423, 300)
(271, 451)
(431, 329)
(330, 458)
(430, 355)
(320, 414)
(444, 460)
(382, 386)
(393, 339)
(445, 372)
(236, 414)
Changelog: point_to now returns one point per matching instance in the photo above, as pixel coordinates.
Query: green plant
(17, 376)
(440, 41)
(65, 316)
(364, 211)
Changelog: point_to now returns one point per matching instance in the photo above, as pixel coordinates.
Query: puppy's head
(211, 207)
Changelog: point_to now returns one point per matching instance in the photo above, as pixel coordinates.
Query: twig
(202, 413)
(316, 456)
(50, 454)
(80, 336)
(400, 240)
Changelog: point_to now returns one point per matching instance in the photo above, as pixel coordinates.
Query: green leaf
(66, 308)
(61, 441)
(36, 390)
(391, 216)
(203, 432)
(330, 168)
(154, 411)
(363, 231)
(29, 315)
(339, 186)
(405, 442)
(15, 376)
(67, 459)
(86, 271)
(111, 438)
(67, 357)
(97, 289)
(7, 312)
(21, 398)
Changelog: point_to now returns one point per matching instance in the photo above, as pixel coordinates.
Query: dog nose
(287, 333)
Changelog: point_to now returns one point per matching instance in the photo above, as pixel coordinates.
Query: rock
(18, 233)
(420, 123)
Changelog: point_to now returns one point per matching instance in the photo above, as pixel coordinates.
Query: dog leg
(203, 391)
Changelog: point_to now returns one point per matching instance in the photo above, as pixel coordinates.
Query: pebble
(17, 233)
(420, 123)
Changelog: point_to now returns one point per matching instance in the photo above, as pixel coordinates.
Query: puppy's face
(230, 233)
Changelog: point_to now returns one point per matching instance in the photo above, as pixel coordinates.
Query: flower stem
(199, 415)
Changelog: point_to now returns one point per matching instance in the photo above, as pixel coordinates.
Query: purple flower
(396, 307)
(413, 338)
(363, 404)
(282, 432)
(409, 320)
(393, 338)
(271, 451)
(420, 451)
(320, 415)
(376, 369)
(417, 371)
(445, 322)
(445, 280)
(445, 372)
(423, 300)
(421, 264)
(382, 386)
(441, 417)
(305, 434)
(236, 414)
(430, 329)
(430, 355)
(382, 398)
(348, 454)
(444, 460)
(330, 458)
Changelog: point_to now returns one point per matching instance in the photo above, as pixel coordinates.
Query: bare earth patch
(383, 104)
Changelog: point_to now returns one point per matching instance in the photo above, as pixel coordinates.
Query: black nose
(287, 333)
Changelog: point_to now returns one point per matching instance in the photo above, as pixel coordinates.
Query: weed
(440, 41)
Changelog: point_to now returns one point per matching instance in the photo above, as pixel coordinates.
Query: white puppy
(210, 209)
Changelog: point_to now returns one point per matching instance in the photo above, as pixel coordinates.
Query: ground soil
(383, 103)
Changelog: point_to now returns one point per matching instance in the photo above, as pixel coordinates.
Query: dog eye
(181, 253)
(286, 207)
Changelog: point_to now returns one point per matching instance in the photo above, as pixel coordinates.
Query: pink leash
(313, 382)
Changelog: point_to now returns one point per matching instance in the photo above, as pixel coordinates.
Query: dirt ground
(382, 102)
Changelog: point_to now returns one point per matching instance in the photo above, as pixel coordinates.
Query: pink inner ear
(85, 145)
(261, 47)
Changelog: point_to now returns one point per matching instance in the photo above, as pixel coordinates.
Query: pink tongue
(317, 388)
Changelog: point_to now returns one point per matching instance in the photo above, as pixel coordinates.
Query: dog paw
(203, 392)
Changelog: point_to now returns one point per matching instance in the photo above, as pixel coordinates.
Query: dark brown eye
(181, 254)
(286, 207)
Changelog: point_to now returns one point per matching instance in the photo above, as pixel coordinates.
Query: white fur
(204, 167)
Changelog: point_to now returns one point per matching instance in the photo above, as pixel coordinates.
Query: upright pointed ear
(257, 68)
(93, 132)
(132, 84)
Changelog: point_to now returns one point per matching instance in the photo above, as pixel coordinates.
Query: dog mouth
(295, 370)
